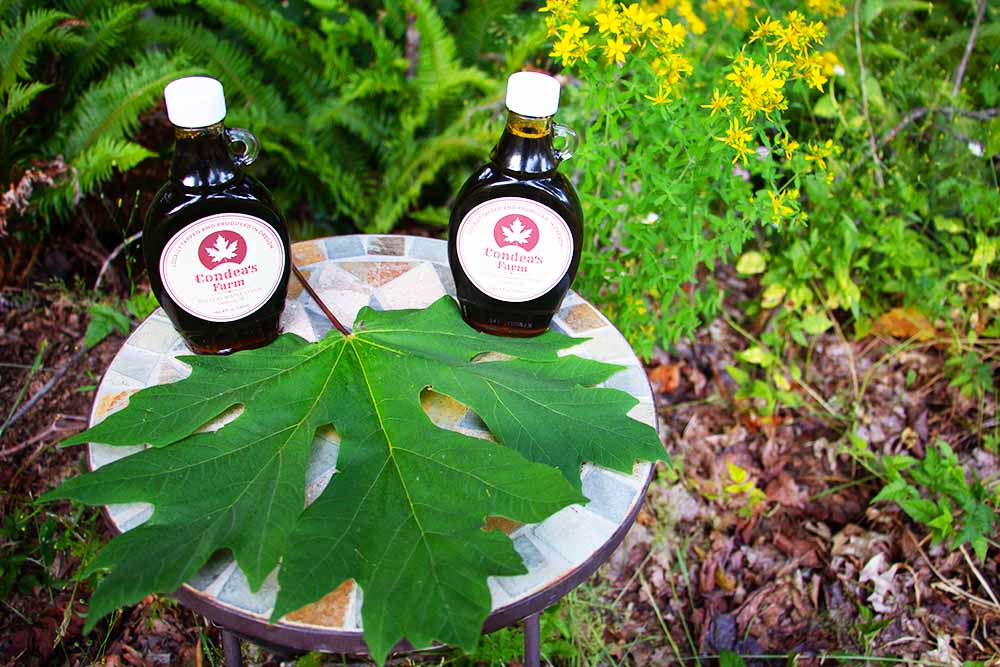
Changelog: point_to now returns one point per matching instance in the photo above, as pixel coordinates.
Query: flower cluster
(619, 31)
(756, 87)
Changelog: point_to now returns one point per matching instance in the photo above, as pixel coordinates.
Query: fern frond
(20, 97)
(105, 34)
(20, 42)
(225, 60)
(89, 170)
(407, 176)
(111, 107)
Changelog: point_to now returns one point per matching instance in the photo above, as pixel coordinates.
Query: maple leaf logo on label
(516, 230)
(221, 247)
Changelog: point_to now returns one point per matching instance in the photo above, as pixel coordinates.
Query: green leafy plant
(934, 491)
(416, 495)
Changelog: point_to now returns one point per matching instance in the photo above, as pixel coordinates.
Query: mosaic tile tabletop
(389, 272)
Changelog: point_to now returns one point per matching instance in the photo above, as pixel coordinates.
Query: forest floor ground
(809, 568)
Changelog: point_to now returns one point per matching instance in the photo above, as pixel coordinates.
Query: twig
(35, 365)
(951, 588)
(30, 403)
(864, 95)
(319, 302)
(114, 254)
(960, 72)
(979, 576)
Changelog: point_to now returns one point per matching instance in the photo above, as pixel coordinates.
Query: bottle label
(223, 267)
(514, 249)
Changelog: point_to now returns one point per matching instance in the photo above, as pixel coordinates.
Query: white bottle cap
(195, 101)
(533, 94)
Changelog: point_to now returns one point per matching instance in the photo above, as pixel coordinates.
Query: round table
(390, 272)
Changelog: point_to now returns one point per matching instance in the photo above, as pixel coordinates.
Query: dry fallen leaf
(904, 323)
(665, 378)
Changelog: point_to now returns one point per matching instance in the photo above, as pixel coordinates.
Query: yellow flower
(819, 153)
(787, 145)
(826, 8)
(561, 9)
(780, 208)
(672, 33)
(615, 50)
(575, 30)
(671, 67)
(686, 11)
(737, 138)
(720, 102)
(608, 20)
(640, 18)
(760, 91)
(662, 95)
(564, 49)
(769, 28)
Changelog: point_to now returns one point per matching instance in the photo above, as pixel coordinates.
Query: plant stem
(960, 72)
(864, 95)
(319, 302)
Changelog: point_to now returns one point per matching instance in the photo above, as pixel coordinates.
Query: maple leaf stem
(319, 302)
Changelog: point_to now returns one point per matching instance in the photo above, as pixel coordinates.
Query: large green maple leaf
(404, 514)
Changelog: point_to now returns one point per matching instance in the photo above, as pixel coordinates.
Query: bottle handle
(251, 147)
(572, 141)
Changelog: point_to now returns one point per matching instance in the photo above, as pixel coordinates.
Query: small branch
(319, 302)
(960, 72)
(114, 254)
(30, 403)
(864, 95)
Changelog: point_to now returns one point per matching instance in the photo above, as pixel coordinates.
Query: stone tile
(543, 567)
(102, 455)
(236, 592)
(295, 320)
(154, 335)
(171, 370)
(574, 533)
(499, 596)
(128, 516)
(604, 344)
(330, 611)
(582, 317)
(136, 364)
(387, 245)
(443, 410)
(610, 496)
(417, 288)
(109, 401)
(339, 247)
(631, 380)
(430, 249)
(213, 575)
(295, 288)
(113, 380)
(377, 273)
(305, 253)
(644, 412)
(447, 280)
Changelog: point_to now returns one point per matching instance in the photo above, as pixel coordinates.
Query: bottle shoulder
(552, 189)
(175, 205)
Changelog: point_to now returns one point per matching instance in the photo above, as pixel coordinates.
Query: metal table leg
(532, 641)
(231, 649)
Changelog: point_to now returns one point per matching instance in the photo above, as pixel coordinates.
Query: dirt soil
(809, 567)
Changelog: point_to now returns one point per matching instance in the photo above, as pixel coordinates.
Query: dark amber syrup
(206, 180)
(523, 164)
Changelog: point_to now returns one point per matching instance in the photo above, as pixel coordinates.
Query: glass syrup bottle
(515, 229)
(215, 246)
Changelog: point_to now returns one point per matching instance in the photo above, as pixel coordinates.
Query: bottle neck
(202, 158)
(525, 147)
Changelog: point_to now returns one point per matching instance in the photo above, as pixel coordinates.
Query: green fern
(21, 41)
(104, 35)
(20, 96)
(112, 106)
